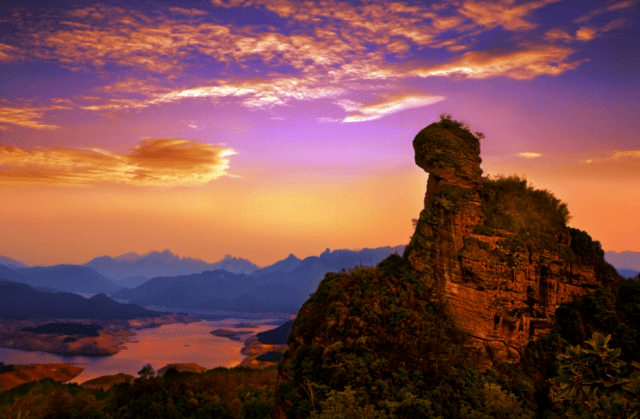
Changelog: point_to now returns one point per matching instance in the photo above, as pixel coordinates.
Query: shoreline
(242, 353)
(111, 339)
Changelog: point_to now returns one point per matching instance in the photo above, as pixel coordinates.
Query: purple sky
(265, 127)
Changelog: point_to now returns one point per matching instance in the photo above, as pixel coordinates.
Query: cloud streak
(152, 162)
(522, 64)
(28, 117)
(387, 106)
(617, 156)
(529, 155)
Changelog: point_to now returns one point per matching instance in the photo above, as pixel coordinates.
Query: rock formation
(499, 251)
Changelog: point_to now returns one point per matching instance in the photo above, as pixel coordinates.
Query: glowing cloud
(618, 155)
(522, 64)
(505, 13)
(612, 7)
(388, 106)
(187, 12)
(529, 155)
(24, 117)
(158, 161)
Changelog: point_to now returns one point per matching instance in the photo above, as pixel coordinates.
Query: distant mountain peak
(129, 256)
(11, 263)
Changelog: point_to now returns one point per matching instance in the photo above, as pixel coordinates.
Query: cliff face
(499, 251)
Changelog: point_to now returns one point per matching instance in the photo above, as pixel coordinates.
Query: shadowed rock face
(505, 284)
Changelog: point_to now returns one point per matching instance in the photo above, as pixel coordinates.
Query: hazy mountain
(155, 264)
(132, 281)
(283, 266)
(11, 263)
(69, 278)
(623, 260)
(7, 273)
(188, 290)
(19, 301)
(282, 287)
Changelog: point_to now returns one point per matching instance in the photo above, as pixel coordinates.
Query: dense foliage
(594, 382)
(220, 393)
(380, 337)
(509, 203)
(376, 343)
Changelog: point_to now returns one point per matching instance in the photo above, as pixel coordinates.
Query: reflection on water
(174, 343)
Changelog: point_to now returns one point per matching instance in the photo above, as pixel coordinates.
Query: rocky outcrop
(498, 250)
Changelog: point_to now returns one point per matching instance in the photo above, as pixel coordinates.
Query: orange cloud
(529, 155)
(612, 7)
(25, 117)
(586, 33)
(557, 34)
(10, 53)
(387, 106)
(188, 12)
(618, 155)
(505, 13)
(520, 65)
(339, 49)
(159, 161)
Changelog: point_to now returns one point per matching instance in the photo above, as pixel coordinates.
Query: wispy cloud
(617, 156)
(388, 105)
(610, 8)
(325, 49)
(10, 53)
(506, 13)
(188, 12)
(29, 117)
(522, 64)
(529, 155)
(158, 161)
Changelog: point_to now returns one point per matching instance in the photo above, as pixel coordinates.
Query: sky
(260, 128)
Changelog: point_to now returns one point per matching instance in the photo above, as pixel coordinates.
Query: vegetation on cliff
(509, 203)
(378, 336)
(239, 393)
(373, 341)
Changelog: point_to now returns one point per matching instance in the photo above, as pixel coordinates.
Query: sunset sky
(260, 128)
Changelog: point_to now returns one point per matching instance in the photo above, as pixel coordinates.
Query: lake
(167, 344)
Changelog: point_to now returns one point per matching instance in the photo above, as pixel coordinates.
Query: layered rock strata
(503, 285)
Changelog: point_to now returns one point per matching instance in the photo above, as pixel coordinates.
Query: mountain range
(129, 267)
(229, 284)
(281, 287)
(20, 301)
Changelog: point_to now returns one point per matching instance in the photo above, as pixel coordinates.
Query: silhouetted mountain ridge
(21, 301)
(281, 287)
(11, 263)
(68, 278)
(165, 263)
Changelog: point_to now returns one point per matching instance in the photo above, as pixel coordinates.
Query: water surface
(167, 344)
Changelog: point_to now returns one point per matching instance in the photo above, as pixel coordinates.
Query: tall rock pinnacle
(498, 250)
